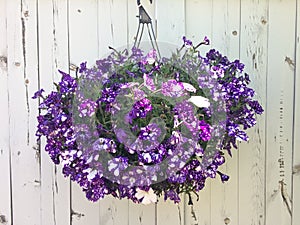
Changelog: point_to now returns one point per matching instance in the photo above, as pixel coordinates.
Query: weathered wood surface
(37, 37)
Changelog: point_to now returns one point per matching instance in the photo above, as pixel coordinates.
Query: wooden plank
(137, 213)
(279, 119)
(22, 83)
(53, 55)
(170, 16)
(141, 214)
(296, 141)
(113, 31)
(225, 38)
(83, 31)
(170, 213)
(5, 188)
(112, 25)
(251, 169)
(83, 43)
(198, 22)
(114, 211)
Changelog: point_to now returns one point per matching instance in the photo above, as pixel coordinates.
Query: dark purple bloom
(187, 42)
(38, 94)
(140, 109)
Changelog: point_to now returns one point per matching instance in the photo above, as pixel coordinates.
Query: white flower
(147, 196)
(189, 87)
(199, 101)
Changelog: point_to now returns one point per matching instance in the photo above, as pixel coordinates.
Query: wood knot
(234, 33)
(263, 21)
(3, 59)
(26, 13)
(3, 62)
(226, 220)
(3, 219)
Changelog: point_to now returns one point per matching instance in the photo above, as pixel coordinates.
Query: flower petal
(199, 101)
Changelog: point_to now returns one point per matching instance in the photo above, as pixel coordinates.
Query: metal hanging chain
(145, 19)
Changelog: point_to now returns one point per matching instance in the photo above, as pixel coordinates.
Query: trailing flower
(137, 127)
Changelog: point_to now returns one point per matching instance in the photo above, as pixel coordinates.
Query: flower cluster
(137, 127)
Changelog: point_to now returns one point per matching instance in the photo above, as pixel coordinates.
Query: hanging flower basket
(137, 127)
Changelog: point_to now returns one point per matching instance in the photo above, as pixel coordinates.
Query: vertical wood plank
(280, 111)
(53, 55)
(170, 15)
(296, 141)
(83, 43)
(170, 213)
(83, 31)
(114, 211)
(22, 83)
(139, 214)
(254, 53)
(225, 38)
(5, 188)
(113, 31)
(198, 20)
(199, 17)
(112, 25)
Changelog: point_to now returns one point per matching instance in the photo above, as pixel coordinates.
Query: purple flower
(117, 165)
(38, 94)
(151, 132)
(140, 109)
(187, 42)
(205, 131)
(67, 84)
(224, 177)
(172, 88)
(149, 83)
(87, 108)
(150, 58)
(206, 41)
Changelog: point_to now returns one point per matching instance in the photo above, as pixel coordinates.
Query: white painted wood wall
(39, 36)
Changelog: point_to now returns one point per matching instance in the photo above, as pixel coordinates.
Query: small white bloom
(147, 196)
(199, 101)
(189, 87)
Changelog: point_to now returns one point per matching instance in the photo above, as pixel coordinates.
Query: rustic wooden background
(40, 36)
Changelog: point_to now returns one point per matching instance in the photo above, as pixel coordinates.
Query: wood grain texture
(225, 38)
(279, 118)
(53, 55)
(83, 42)
(141, 214)
(198, 21)
(296, 128)
(170, 16)
(112, 25)
(22, 83)
(170, 29)
(114, 211)
(37, 37)
(5, 166)
(251, 170)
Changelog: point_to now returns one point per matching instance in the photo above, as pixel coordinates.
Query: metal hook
(144, 18)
